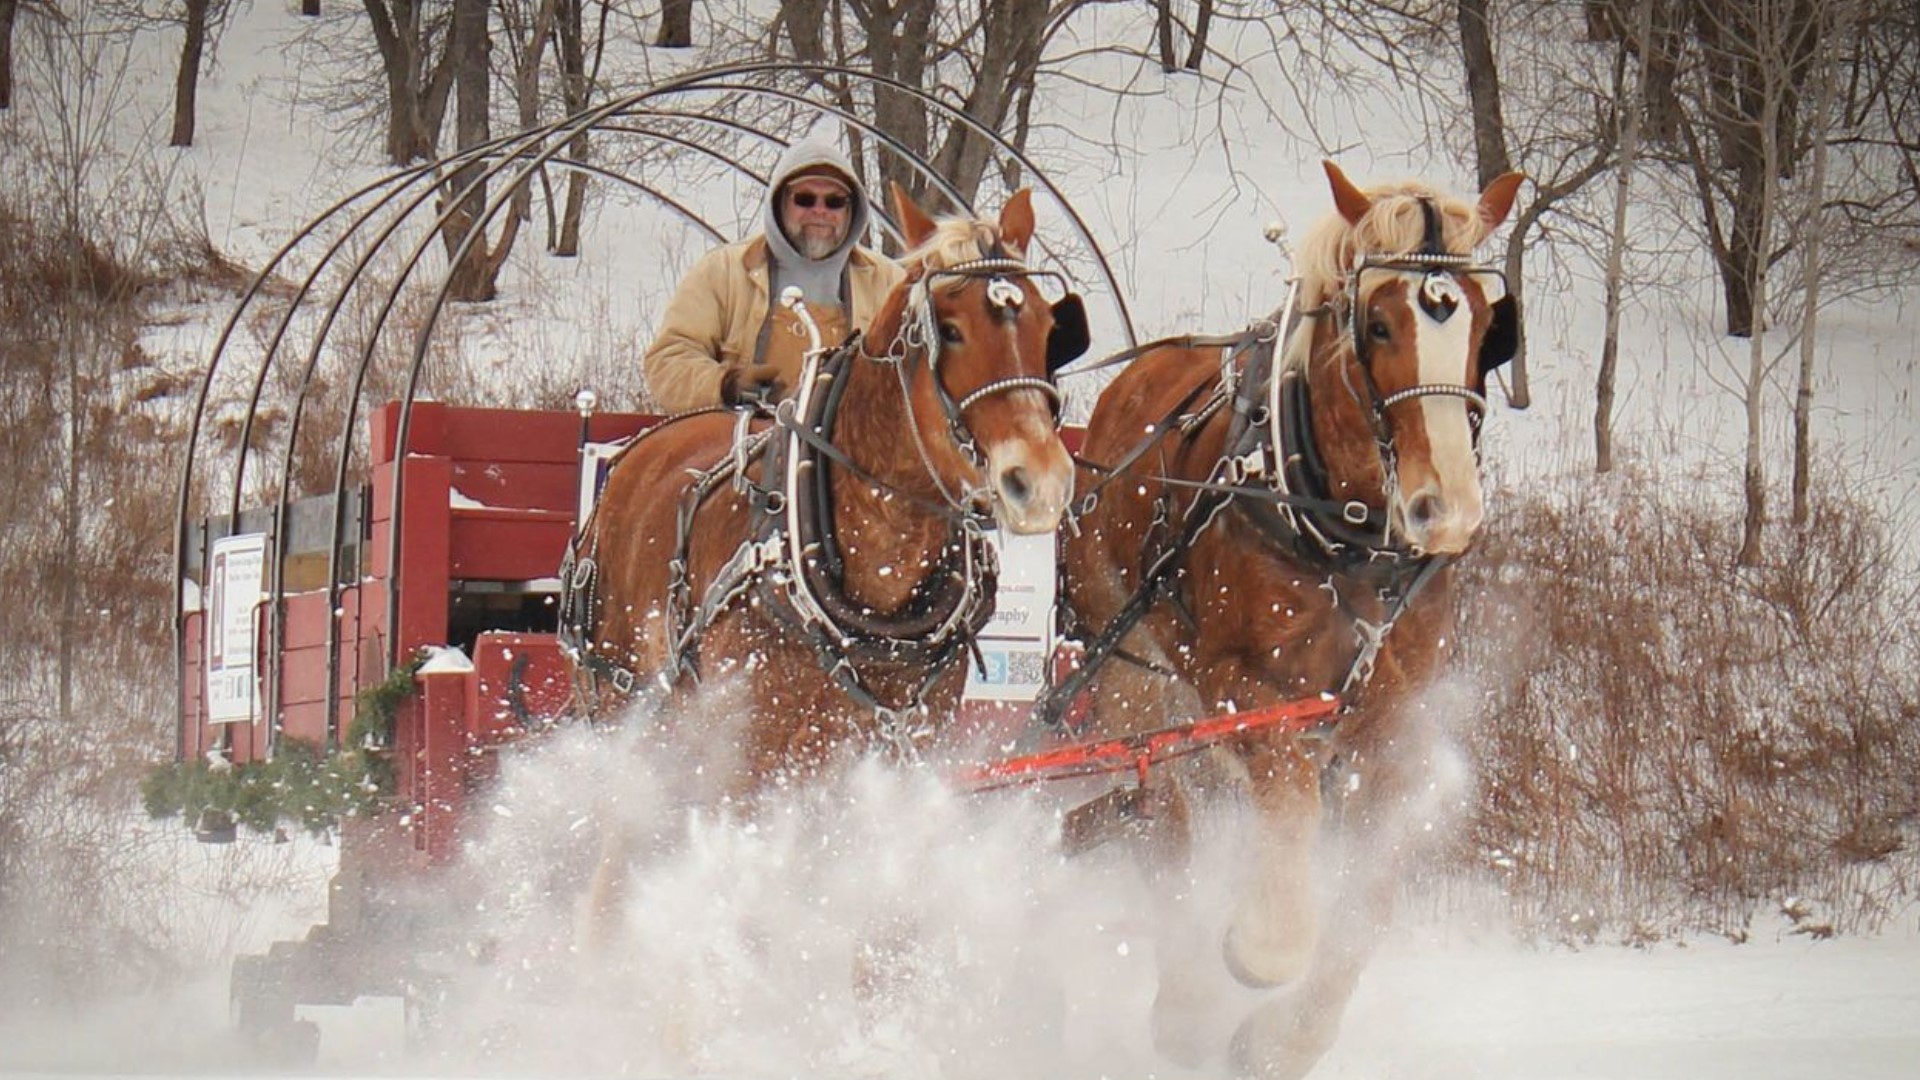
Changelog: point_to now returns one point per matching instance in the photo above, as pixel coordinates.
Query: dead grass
(1673, 743)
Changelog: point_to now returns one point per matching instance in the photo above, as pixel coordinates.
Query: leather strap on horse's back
(579, 601)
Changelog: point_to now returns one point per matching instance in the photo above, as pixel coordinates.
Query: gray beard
(816, 246)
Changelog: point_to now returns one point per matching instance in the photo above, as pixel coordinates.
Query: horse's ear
(1502, 339)
(915, 225)
(886, 324)
(1016, 222)
(1497, 201)
(1348, 199)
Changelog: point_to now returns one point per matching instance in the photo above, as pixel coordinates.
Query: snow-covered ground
(1436, 1005)
(735, 949)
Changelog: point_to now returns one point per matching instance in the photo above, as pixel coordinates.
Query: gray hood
(817, 148)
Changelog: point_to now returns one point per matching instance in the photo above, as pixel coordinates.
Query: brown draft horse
(1275, 527)
(832, 558)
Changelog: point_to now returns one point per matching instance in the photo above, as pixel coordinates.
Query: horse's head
(1415, 328)
(974, 335)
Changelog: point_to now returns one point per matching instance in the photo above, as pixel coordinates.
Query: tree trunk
(396, 32)
(1755, 520)
(1741, 264)
(1602, 23)
(898, 50)
(1660, 67)
(417, 88)
(1810, 286)
(1163, 32)
(526, 90)
(1519, 390)
(9, 10)
(68, 571)
(1483, 87)
(1009, 57)
(310, 8)
(1629, 109)
(805, 20)
(676, 25)
(186, 83)
(571, 28)
(467, 48)
(1202, 26)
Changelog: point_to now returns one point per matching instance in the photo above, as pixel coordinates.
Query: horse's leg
(1191, 996)
(598, 919)
(1275, 923)
(1285, 1037)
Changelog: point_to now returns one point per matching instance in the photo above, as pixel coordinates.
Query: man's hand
(758, 382)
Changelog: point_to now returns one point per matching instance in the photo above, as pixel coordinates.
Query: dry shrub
(86, 534)
(1672, 742)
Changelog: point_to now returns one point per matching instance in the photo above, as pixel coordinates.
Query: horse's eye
(1377, 329)
(950, 333)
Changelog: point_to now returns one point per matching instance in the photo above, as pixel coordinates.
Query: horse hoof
(1276, 965)
(1182, 1036)
(1278, 1042)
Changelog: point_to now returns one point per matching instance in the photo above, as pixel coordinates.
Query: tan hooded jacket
(720, 315)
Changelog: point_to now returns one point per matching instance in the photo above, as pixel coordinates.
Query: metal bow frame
(704, 113)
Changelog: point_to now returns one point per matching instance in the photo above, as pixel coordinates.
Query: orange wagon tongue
(1143, 751)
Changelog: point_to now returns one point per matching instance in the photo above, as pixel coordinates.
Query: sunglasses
(805, 200)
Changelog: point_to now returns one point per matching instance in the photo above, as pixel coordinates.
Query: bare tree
(1630, 106)
(1826, 78)
(576, 82)
(475, 275)
(412, 37)
(196, 15)
(9, 13)
(980, 56)
(1738, 132)
(676, 25)
(1483, 89)
(1167, 30)
(1568, 139)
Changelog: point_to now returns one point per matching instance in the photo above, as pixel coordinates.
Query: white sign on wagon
(1015, 643)
(235, 581)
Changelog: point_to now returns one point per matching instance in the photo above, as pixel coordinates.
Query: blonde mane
(1396, 225)
(955, 240)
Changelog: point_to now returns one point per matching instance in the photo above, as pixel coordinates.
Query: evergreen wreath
(301, 784)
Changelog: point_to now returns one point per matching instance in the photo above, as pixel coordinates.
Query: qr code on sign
(1025, 667)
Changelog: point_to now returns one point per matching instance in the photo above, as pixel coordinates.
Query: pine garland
(301, 784)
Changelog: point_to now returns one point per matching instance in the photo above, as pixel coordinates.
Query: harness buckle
(1251, 465)
(761, 555)
(1370, 636)
(1355, 512)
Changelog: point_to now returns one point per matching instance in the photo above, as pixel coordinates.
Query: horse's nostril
(1014, 485)
(1424, 510)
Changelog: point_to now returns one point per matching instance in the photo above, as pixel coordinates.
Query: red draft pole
(1142, 751)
